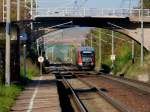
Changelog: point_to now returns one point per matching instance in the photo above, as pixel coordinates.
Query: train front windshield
(87, 57)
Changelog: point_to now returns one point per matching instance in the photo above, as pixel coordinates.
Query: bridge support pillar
(14, 50)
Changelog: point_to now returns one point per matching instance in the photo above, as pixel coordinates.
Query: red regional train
(86, 58)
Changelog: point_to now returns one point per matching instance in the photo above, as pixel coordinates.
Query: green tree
(146, 4)
(24, 12)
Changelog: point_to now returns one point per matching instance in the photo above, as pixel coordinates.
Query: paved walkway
(39, 96)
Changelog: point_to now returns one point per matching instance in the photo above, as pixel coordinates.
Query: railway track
(132, 83)
(133, 98)
(118, 92)
(78, 102)
(80, 94)
(141, 86)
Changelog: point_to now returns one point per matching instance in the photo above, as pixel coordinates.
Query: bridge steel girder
(131, 27)
(81, 21)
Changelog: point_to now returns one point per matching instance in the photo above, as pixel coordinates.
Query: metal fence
(92, 12)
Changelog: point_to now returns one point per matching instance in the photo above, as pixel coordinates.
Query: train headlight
(80, 64)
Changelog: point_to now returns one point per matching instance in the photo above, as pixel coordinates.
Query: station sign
(41, 59)
(113, 57)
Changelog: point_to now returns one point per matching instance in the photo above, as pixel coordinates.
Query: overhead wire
(80, 4)
(64, 3)
(126, 4)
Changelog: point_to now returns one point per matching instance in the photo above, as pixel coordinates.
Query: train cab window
(87, 57)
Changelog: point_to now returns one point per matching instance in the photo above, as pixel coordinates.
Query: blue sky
(89, 3)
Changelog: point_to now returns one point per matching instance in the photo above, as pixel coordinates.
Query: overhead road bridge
(125, 21)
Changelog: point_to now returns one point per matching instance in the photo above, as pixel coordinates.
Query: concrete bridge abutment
(135, 34)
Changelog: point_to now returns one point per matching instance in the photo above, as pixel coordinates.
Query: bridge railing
(92, 12)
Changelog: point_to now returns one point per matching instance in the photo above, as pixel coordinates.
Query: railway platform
(40, 95)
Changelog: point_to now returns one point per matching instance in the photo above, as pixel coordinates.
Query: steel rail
(118, 105)
(141, 86)
(76, 97)
(132, 83)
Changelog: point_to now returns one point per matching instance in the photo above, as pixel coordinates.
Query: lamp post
(100, 48)
(7, 55)
(37, 45)
(130, 7)
(142, 35)
(18, 10)
(25, 74)
(112, 56)
(52, 54)
(31, 12)
(25, 8)
(91, 40)
(133, 49)
(36, 8)
(4, 10)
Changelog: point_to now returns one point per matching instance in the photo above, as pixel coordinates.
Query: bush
(8, 96)
(32, 69)
(2, 75)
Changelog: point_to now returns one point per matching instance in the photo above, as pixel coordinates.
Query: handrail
(90, 12)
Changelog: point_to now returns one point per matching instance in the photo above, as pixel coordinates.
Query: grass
(8, 95)
(123, 51)
(32, 69)
(13, 10)
(136, 68)
(123, 57)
